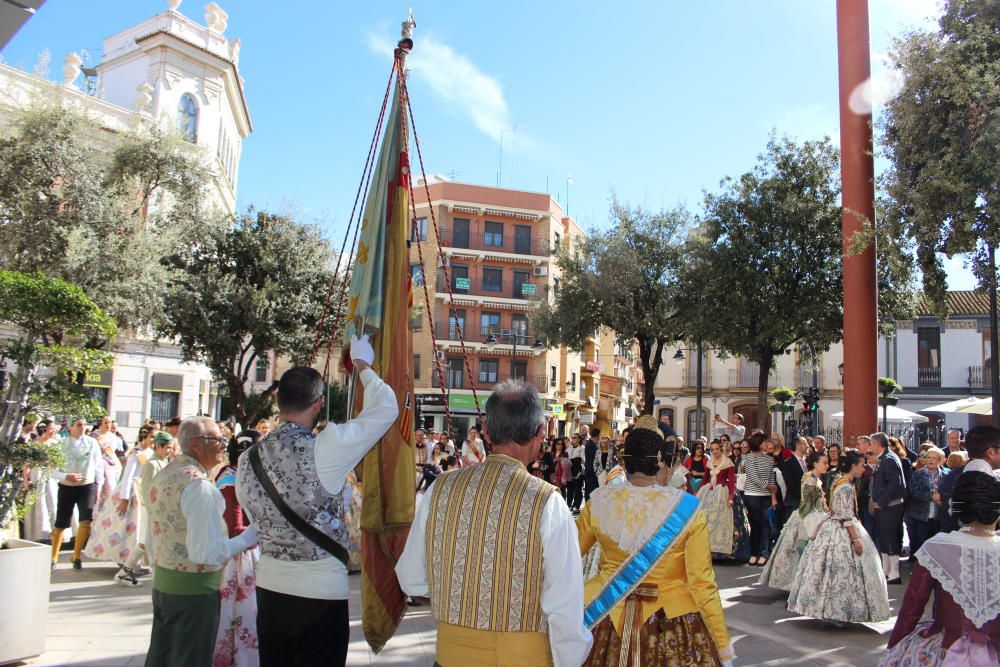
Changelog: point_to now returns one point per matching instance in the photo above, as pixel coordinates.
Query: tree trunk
(645, 352)
(237, 398)
(15, 403)
(763, 414)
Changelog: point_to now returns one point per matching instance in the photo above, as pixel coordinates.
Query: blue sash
(634, 570)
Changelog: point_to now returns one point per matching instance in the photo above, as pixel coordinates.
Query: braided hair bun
(642, 451)
(976, 498)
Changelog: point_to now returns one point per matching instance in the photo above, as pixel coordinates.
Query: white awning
(893, 414)
(952, 406)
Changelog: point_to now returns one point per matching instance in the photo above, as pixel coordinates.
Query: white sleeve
(340, 447)
(98, 466)
(206, 540)
(128, 476)
(411, 569)
(562, 585)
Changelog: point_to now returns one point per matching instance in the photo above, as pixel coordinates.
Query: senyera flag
(379, 304)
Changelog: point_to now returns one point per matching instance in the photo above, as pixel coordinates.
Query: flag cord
(444, 270)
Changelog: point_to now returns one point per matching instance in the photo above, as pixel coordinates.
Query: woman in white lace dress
(839, 578)
(962, 570)
(779, 572)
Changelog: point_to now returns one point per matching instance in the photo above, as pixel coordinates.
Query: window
(522, 278)
(98, 387)
(489, 323)
(519, 323)
(522, 239)
(456, 320)
(666, 415)
(460, 233)
(519, 370)
(261, 372)
(572, 381)
(488, 371)
(929, 357)
(165, 396)
(456, 372)
(416, 367)
(493, 235)
(460, 279)
(187, 118)
(553, 376)
(556, 240)
(416, 275)
(492, 280)
(692, 424)
(419, 231)
(555, 287)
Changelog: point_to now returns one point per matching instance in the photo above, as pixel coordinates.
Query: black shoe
(894, 582)
(77, 564)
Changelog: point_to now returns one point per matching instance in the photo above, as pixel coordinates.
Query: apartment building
(937, 361)
(494, 263)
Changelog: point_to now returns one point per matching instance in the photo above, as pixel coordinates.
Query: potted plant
(41, 366)
(783, 395)
(887, 387)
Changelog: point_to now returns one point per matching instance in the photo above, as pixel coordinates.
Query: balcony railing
(979, 377)
(747, 377)
(479, 334)
(506, 289)
(509, 243)
(691, 376)
(485, 380)
(928, 377)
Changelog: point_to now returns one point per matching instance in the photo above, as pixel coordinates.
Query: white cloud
(456, 79)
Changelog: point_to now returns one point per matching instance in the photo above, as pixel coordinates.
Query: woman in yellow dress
(654, 600)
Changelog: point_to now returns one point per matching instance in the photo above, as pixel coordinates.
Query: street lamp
(491, 343)
(679, 357)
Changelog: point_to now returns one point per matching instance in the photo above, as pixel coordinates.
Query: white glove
(361, 350)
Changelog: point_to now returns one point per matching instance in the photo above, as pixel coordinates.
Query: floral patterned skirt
(113, 536)
(719, 516)
(740, 545)
(780, 569)
(352, 517)
(922, 648)
(236, 641)
(683, 641)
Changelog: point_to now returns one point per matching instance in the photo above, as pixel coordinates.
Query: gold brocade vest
(484, 547)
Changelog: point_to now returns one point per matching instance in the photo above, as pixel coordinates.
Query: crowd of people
(605, 556)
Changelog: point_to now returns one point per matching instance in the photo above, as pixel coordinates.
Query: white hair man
(530, 548)
(190, 545)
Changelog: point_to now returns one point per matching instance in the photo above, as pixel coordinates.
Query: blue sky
(652, 101)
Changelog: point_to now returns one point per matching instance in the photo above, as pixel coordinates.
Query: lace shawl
(968, 568)
(630, 515)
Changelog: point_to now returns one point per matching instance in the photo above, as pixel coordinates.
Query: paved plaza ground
(94, 622)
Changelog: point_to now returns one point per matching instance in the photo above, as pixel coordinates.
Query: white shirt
(93, 467)
(473, 452)
(562, 578)
(576, 452)
(337, 450)
(207, 539)
(735, 432)
(132, 472)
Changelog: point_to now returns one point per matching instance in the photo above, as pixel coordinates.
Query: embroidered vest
(485, 549)
(287, 457)
(169, 527)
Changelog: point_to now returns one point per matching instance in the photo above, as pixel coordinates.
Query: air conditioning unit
(541, 271)
(507, 333)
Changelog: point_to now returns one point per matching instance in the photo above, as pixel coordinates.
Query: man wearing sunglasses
(190, 545)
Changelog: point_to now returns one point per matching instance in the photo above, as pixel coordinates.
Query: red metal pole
(857, 175)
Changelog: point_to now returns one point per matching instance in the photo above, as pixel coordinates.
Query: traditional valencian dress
(654, 601)
(113, 535)
(236, 643)
(831, 581)
(503, 575)
(963, 573)
(801, 526)
(728, 527)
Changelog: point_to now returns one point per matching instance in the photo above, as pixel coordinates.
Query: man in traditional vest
(302, 587)
(503, 575)
(190, 545)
